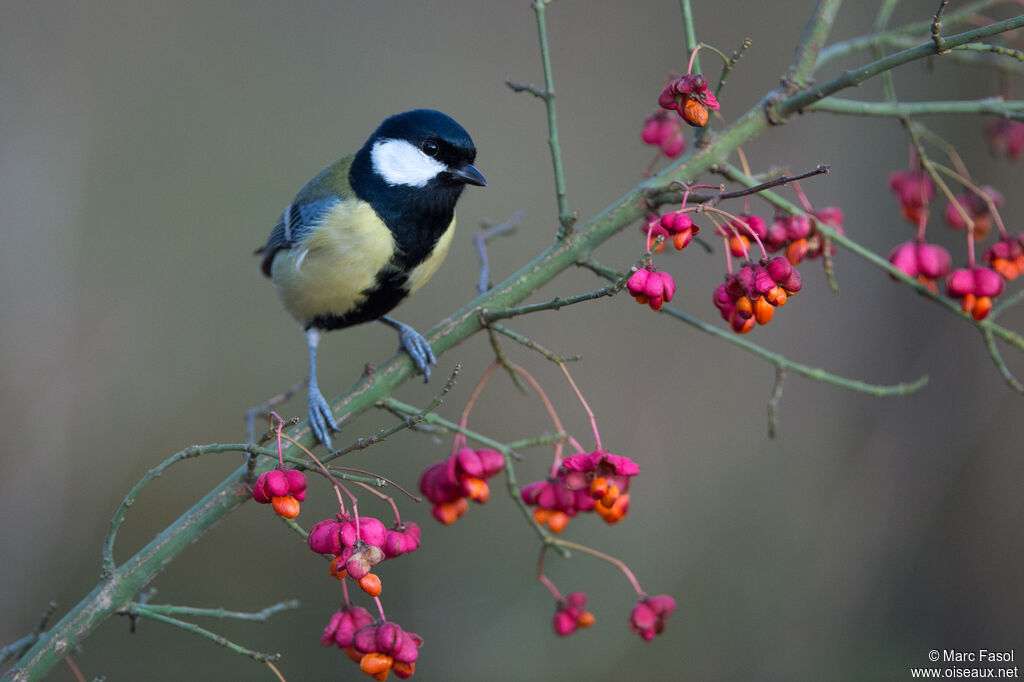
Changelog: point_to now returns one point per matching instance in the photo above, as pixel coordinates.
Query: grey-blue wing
(293, 227)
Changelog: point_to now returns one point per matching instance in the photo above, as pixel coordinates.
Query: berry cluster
(651, 287)
(451, 483)
(595, 481)
(284, 489)
(378, 647)
(754, 292)
(361, 543)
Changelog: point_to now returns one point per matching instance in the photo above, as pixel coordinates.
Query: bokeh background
(146, 148)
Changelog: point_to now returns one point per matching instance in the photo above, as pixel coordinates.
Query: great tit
(369, 230)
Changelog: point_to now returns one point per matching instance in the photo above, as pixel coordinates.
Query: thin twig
(412, 420)
(145, 612)
(531, 344)
(773, 402)
(485, 235)
(263, 410)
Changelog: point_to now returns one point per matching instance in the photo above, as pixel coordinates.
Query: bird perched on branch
(369, 230)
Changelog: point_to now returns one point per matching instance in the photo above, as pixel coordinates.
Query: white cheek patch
(401, 163)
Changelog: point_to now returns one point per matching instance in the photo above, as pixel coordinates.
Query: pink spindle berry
(914, 190)
(779, 269)
(584, 468)
(648, 617)
(1006, 257)
(975, 288)
(1005, 138)
(904, 258)
(638, 282)
(987, 282)
(975, 207)
(343, 625)
(275, 483)
(797, 227)
(401, 540)
(572, 614)
(390, 639)
(925, 262)
(665, 131)
(960, 283)
(369, 530)
(933, 261)
(689, 96)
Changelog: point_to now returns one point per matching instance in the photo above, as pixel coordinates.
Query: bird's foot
(320, 418)
(413, 343)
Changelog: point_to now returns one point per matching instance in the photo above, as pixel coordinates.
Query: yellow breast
(328, 273)
(425, 270)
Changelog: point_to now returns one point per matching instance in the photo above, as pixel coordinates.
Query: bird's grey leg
(415, 345)
(320, 418)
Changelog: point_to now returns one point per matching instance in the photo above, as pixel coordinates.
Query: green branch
(903, 36)
(565, 217)
(801, 71)
(783, 108)
(990, 105)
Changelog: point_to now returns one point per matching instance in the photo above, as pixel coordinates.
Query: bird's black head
(412, 171)
(421, 149)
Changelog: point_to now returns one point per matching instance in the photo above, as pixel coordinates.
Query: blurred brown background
(147, 148)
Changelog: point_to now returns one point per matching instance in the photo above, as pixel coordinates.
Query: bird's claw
(320, 418)
(418, 349)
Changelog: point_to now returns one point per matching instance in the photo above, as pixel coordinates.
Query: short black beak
(469, 175)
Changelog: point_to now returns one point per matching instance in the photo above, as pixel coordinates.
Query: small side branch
(144, 611)
(107, 561)
(780, 361)
(940, 43)
(262, 615)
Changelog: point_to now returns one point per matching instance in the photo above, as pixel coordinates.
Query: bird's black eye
(429, 147)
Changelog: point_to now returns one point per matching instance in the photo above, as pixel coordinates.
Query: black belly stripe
(387, 292)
